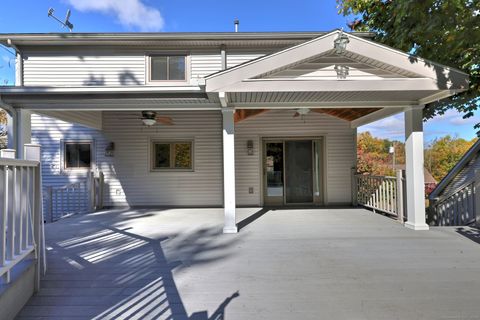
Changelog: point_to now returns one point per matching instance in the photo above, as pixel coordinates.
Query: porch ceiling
(348, 114)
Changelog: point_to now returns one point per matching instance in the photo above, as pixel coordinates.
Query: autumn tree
(443, 153)
(445, 31)
(3, 131)
(373, 155)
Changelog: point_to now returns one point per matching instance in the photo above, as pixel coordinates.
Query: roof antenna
(66, 23)
(236, 22)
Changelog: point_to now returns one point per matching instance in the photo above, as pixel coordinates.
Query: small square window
(77, 155)
(172, 155)
(168, 68)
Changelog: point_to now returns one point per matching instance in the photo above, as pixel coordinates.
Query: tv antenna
(66, 23)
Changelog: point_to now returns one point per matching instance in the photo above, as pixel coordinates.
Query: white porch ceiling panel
(327, 98)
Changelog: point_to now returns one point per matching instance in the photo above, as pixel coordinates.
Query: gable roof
(462, 163)
(420, 74)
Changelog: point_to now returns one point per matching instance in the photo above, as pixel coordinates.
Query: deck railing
(82, 196)
(380, 193)
(458, 207)
(21, 222)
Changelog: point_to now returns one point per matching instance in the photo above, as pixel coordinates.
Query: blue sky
(19, 16)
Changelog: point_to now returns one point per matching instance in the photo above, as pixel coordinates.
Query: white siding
(84, 66)
(49, 133)
(91, 119)
(236, 58)
(203, 64)
(340, 151)
(129, 178)
(81, 68)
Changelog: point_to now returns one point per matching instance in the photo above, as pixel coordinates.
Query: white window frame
(63, 154)
(171, 142)
(148, 69)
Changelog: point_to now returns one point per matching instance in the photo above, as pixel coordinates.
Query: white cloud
(130, 13)
(454, 118)
(392, 128)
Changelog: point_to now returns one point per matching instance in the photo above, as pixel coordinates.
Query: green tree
(445, 31)
(443, 153)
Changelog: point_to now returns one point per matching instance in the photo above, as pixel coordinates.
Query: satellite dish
(66, 23)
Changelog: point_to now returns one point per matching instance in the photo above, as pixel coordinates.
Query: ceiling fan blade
(164, 120)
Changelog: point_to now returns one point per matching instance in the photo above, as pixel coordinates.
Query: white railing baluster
(379, 193)
(3, 222)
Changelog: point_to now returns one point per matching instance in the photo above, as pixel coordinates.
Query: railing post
(32, 152)
(399, 195)
(50, 203)
(7, 153)
(354, 188)
(101, 181)
(91, 191)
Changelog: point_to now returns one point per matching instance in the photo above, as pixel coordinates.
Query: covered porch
(287, 263)
(335, 76)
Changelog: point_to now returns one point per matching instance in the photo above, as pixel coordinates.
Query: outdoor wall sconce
(340, 44)
(342, 71)
(109, 149)
(250, 147)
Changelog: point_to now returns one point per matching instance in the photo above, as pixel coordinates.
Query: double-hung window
(167, 68)
(175, 155)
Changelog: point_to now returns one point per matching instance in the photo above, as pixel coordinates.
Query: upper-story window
(167, 68)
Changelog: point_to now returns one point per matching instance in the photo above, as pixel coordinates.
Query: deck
(283, 264)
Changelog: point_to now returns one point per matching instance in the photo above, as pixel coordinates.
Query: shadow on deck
(100, 271)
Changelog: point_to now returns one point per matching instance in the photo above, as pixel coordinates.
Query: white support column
(415, 180)
(230, 225)
(22, 131)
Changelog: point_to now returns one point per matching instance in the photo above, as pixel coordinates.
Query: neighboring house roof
(427, 174)
(464, 170)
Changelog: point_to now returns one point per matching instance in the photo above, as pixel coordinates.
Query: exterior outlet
(250, 190)
(118, 192)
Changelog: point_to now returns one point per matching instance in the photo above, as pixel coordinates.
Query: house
(218, 119)
(456, 199)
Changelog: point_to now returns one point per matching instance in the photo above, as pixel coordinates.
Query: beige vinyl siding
(129, 179)
(340, 151)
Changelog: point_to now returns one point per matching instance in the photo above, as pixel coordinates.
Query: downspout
(18, 63)
(223, 54)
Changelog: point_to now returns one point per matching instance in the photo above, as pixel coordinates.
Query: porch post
(19, 130)
(230, 225)
(415, 180)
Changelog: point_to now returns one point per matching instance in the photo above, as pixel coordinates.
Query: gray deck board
(287, 264)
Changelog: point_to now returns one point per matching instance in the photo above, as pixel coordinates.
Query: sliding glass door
(293, 171)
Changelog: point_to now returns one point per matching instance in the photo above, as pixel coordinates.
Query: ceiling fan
(150, 118)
